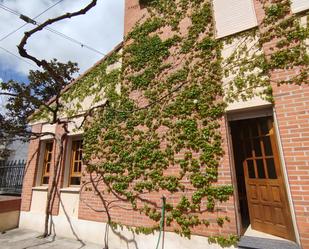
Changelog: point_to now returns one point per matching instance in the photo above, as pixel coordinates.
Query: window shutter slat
(233, 16)
(299, 5)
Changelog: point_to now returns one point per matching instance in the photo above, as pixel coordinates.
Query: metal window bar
(11, 176)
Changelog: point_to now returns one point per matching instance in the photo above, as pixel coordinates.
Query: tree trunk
(51, 193)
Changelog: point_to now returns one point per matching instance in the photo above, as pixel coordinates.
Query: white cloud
(101, 28)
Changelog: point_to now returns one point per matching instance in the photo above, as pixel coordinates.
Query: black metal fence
(11, 176)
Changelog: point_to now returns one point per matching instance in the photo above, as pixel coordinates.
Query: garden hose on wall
(162, 221)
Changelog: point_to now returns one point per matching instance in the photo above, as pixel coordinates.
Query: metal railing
(11, 176)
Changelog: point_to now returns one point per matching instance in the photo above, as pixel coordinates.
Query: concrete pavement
(27, 239)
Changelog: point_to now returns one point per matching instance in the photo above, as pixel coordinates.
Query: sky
(101, 28)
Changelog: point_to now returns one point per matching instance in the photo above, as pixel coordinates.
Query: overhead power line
(18, 57)
(14, 31)
(74, 41)
(50, 7)
(9, 9)
(30, 20)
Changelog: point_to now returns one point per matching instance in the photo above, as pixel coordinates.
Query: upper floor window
(76, 162)
(299, 5)
(233, 16)
(47, 162)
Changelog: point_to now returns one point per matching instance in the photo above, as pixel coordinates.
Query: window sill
(70, 190)
(40, 188)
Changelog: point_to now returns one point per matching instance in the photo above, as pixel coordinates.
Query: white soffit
(299, 5)
(49, 128)
(233, 16)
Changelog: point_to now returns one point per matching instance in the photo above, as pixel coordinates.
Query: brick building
(270, 180)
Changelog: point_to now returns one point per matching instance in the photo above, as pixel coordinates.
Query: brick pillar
(225, 178)
(292, 109)
(30, 170)
(60, 177)
(292, 112)
(132, 14)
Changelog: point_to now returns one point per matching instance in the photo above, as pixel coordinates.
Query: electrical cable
(14, 31)
(18, 57)
(8, 9)
(50, 7)
(29, 20)
(74, 41)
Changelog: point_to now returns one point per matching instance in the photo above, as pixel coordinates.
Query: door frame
(256, 113)
(285, 176)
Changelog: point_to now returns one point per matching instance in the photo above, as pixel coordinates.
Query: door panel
(266, 194)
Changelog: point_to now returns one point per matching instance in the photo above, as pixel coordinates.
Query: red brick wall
(91, 205)
(60, 172)
(90, 202)
(133, 13)
(30, 170)
(292, 109)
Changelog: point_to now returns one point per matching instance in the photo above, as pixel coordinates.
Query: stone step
(250, 242)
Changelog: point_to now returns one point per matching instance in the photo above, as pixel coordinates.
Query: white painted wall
(69, 203)
(74, 126)
(251, 103)
(95, 231)
(39, 200)
(227, 52)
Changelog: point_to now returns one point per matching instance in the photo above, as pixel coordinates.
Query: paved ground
(26, 239)
(262, 243)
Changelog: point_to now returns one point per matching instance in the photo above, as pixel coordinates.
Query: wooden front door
(265, 188)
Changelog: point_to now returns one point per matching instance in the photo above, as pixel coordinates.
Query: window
(299, 5)
(233, 16)
(47, 162)
(76, 162)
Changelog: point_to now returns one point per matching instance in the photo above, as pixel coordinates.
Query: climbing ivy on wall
(286, 36)
(171, 123)
(162, 132)
(291, 34)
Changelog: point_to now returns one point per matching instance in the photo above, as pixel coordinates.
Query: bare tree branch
(55, 111)
(90, 112)
(43, 63)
